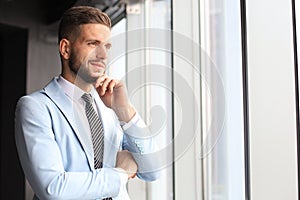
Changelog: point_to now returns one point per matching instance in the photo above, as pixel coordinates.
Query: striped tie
(96, 130)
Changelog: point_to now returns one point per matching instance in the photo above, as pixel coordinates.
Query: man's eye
(107, 46)
(92, 44)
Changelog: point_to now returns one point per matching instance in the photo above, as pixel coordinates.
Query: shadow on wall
(13, 56)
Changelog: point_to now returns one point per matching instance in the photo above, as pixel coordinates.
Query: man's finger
(100, 80)
(111, 86)
(104, 86)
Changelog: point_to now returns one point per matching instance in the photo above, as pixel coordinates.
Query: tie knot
(87, 98)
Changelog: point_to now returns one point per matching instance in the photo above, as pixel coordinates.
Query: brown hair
(69, 26)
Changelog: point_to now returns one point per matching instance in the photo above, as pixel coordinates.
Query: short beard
(79, 70)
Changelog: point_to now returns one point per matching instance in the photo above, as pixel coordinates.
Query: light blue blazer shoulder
(56, 152)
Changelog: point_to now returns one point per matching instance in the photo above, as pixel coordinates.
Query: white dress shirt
(75, 93)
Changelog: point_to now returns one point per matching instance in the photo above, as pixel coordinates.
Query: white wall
(273, 139)
(43, 57)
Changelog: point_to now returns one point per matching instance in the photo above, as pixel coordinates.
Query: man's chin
(101, 72)
(89, 79)
(93, 79)
(96, 76)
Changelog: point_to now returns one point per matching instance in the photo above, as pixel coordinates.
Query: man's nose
(101, 52)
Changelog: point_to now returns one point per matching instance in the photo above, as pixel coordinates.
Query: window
(221, 38)
(213, 167)
(141, 55)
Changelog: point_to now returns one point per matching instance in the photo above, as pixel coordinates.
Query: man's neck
(76, 80)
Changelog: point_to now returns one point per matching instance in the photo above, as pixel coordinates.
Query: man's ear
(64, 48)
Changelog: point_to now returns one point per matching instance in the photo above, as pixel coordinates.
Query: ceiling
(53, 9)
(48, 12)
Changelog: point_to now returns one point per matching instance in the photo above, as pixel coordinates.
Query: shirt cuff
(123, 176)
(136, 120)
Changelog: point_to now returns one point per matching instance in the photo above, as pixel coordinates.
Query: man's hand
(114, 95)
(126, 162)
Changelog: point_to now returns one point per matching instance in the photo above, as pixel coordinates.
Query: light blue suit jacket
(56, 153)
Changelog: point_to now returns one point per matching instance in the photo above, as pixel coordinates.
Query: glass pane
(135, 57)
(158, 61)
(117, 55)
(224, 176)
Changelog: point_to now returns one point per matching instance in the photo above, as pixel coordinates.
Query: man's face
(89, 52)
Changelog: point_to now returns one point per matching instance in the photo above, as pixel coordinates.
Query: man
(77, 137)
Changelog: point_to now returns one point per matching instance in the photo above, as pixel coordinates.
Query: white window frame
(272, 106)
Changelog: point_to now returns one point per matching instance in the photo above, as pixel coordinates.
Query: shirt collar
(72, 91)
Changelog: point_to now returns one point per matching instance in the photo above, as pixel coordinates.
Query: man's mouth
(98, 64)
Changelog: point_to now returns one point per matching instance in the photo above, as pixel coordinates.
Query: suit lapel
(59, 98)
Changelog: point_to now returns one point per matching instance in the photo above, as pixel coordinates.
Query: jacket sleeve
(139, 141)
(42, 163)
